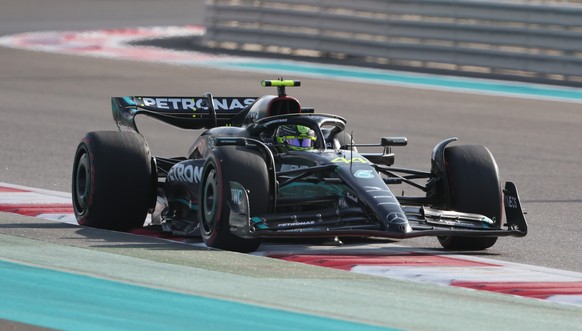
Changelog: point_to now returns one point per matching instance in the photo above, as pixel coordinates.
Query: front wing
(347, 223)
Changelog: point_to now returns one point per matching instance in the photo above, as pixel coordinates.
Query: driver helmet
(295, 137)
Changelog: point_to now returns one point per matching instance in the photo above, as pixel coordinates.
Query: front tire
(112, 185)
(224, 165)
(473, 188)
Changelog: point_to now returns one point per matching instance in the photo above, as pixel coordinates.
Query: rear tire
(224, 165)
(112, 185)
(473, 188)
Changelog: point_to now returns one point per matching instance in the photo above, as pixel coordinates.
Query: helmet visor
(299, 142)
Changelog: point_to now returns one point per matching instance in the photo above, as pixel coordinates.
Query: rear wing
(192, 112)
(183, 112)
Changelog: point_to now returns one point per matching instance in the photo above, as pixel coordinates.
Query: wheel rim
(82, 185)
(209, 201)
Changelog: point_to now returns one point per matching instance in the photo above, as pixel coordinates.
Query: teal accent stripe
(259, 223)
(186, 203)
(390, 77)
(129, 100)
(67, 301)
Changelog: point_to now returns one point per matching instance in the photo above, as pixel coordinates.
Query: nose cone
(397, 222)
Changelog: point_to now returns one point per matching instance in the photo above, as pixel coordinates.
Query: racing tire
(224, 165)
(112, 186)
(473, 188)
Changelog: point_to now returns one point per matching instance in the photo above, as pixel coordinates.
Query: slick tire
(112, 185)
(474, 188)
(224, 165)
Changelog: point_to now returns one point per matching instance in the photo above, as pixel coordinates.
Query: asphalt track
(49, 101)
(84, 262)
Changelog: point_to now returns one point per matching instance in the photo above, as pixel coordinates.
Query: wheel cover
(209, 201)
(82, 184)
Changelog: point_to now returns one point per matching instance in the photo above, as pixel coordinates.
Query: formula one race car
(268, 168)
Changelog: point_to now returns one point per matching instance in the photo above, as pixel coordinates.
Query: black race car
(268, 168)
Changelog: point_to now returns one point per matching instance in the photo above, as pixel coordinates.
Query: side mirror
(393, 141)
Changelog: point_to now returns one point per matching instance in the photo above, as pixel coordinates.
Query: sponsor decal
(365, 174)
(237, 196)
(352, 160)
(185, 173)
(352, 197)
(284, 225)
(375, 189)
(192, 104)
(170, 103)
(387, 203)
(223, 103)
(227, 141)
(283, 120)
(286, 167)
(383, 197)
(396, 218)
(511, 201)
